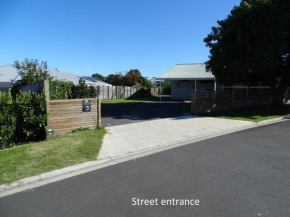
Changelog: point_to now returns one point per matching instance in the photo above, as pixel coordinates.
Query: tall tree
(131, 77)
(30, 71)
(98, 76)
(252, 45)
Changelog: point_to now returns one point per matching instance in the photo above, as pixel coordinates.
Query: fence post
(261, 95)
(212, 99)
(103, 92)
(46, 93)
(112, 92)
(108, 89)
(233, 96)
(193, 98)
(99, 113)
(247, 94)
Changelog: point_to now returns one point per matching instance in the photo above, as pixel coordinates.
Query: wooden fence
(121, 92)
(203, 102)
(67, 115)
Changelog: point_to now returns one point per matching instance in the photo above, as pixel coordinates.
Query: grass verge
(36, 158)
(254, 114)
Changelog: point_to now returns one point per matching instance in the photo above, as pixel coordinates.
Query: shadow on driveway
(137, 112)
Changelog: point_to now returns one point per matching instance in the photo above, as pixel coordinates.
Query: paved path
(240, 174)
(138, 112)
(134, 137)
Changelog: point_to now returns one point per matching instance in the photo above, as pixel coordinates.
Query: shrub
(23, 119)
(7, 119)
(60, 89)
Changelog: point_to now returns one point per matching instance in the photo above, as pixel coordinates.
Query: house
(9, 75)
(188, 78)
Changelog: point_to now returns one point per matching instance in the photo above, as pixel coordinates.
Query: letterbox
(86, 105)
(49, 132)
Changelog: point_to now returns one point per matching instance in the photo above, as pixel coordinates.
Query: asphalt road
(137, 112)
(240, 174)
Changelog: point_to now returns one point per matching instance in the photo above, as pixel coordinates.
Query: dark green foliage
(166, 88)
(60, 89)
(23, 119)
(98, 76)
(94, 92)
(81, 129)
(82, 90)
(116, 79)
(252, 45)
(8, 121)
(31, 71)
(131, 78)
(67, 90)
(144, 82)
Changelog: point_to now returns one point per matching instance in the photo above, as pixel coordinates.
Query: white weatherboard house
(9, 75)
(188, 78)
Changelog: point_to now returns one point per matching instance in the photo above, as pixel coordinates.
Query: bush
(7, 119)
(60, 89)
(166, 88)
(23, 119)
(68, 90)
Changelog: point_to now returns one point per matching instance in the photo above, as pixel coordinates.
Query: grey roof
(9, 74)
(190, 71)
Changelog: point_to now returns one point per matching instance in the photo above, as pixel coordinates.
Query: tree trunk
(280, 94)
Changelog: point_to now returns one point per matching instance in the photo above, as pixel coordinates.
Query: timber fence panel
(222, 100)
(67, 115)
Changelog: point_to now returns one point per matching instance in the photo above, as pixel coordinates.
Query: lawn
(36, 158)
(254, 114)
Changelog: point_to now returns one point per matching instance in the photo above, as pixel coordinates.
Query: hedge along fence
(203, 102)
(22, 119)
(67, 115)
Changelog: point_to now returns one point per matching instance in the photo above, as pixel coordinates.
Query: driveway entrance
(138, 112)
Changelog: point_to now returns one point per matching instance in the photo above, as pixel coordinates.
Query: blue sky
(108, 36)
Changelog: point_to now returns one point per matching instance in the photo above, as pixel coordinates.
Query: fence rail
(203, 102)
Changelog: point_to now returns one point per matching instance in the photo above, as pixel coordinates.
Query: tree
(116, 79)
(144, 82)
(30, 71)
(81, 90)
(131, 77)
(98, 76)
(252, 46)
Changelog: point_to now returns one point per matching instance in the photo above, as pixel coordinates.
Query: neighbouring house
(9, 75)
(188, 78)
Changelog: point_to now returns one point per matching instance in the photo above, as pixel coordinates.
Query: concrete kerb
(68, 172)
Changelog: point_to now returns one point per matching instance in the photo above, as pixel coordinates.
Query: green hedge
(68, 90)
(22, 119)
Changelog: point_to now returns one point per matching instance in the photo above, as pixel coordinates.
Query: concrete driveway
(136, 137)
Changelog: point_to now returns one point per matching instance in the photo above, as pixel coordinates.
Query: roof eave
(182, 79)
